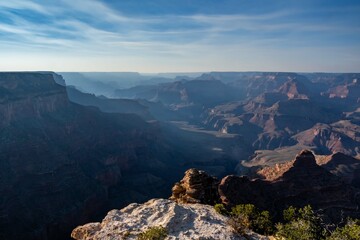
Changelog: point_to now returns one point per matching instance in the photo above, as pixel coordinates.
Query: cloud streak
(92, 28)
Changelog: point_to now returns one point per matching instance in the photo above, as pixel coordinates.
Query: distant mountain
(199, 91)
(341, 136)
(280, 105)
(146, 109)
(108, 105)
(104, 83)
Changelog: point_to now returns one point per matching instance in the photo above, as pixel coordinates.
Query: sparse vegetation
(153, 233)
(240, 224)
(246, 217)
(351, 231)
(220, 208)
(300, 224)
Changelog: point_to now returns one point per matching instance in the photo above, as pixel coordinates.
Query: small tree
(247, 216)
(351, 231)
(300, 224)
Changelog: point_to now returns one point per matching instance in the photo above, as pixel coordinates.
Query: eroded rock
(196, 187)
(182, 221)
(301, 183)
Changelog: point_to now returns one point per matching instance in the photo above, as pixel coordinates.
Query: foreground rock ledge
(183, 221)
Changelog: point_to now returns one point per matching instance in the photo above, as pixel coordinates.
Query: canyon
(69, 155)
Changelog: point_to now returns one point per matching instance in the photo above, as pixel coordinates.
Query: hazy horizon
(187, 36)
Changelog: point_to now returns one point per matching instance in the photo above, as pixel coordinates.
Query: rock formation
(341, 136)
(196, 187)
(303, 183)
(182, 221)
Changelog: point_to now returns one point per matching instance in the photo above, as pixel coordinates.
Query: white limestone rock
(182, 221)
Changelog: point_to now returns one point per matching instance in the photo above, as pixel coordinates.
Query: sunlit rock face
(26, 95)
(301, 182)
(182, 221)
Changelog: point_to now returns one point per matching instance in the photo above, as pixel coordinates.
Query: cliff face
(24, 95)
(62, 164)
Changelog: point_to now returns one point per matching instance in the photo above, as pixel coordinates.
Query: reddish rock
(303, 183)
(196, 187)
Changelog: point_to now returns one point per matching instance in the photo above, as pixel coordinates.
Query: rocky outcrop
(182, 221)
(303, 183)
(196, 187)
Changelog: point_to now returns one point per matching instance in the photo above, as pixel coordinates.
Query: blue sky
(176, 36)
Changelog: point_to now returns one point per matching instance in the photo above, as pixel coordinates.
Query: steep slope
(69, 163)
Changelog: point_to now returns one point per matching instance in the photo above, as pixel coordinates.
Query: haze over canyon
(73, 153)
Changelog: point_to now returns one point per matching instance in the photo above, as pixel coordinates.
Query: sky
(180, 35)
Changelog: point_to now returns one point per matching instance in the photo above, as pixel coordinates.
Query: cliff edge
(182, 221)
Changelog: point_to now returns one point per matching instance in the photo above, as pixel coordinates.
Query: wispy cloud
(92, 28)
(24, 4)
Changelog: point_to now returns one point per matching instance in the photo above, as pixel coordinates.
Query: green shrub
(351, 231)
(153, 233)
(263, 224)
(290, 214)
(220, 208)
(300, 224)
(247, 216)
